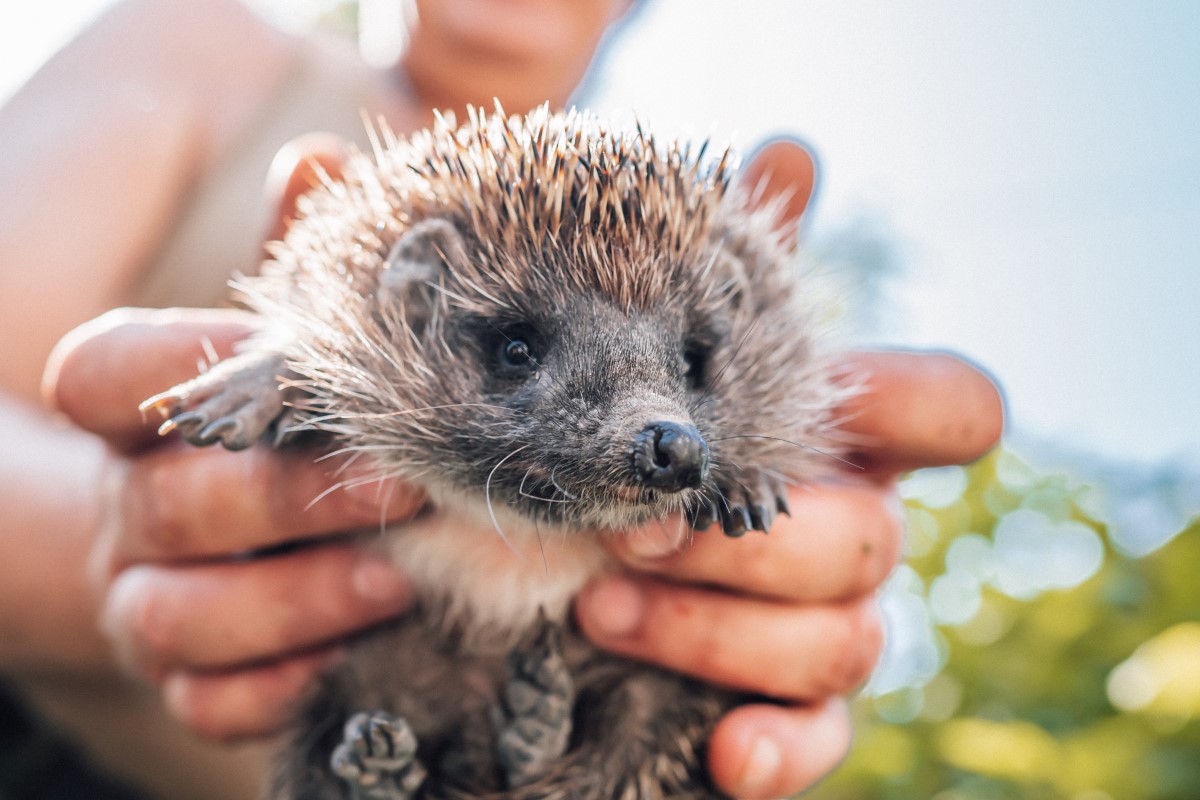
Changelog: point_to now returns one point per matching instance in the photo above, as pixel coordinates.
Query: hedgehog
(560, 329)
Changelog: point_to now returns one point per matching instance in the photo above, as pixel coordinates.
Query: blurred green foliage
(1084, 693)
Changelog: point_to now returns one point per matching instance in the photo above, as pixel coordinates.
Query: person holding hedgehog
(184, 131)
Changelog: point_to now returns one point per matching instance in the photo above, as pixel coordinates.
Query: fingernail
(615, 606)
(761, 772)
(657, 540)
(378, 580)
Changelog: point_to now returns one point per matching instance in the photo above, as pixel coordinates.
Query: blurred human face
(556, 32)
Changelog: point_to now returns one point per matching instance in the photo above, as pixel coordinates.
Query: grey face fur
(554, 400)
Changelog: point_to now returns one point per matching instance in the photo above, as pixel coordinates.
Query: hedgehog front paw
(741, 507)
(534, 716)
(235, 402)
(378, 758)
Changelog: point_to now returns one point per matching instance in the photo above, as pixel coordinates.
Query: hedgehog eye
(695, 365)
(515, 354)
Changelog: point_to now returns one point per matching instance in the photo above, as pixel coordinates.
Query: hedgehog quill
(559, 330)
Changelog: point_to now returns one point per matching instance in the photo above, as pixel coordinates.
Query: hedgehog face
(588, 412)
(581, 324)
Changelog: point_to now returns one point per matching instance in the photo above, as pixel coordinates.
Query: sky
(1035, 168)
(1032, 168)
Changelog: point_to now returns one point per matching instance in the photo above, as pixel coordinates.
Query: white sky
(1036, 165)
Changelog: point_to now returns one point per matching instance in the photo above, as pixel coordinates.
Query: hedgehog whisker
(521, 486)
(357, 450)
(346, 484)
(795, 444)
(521, 491)
(537, 531)
(712, 384)
(403, 412)
(802, 446)
(556, 485)
(316, 422)
(487, 494)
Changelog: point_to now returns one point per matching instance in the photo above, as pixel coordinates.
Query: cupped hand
(222, 577)
(792, 615)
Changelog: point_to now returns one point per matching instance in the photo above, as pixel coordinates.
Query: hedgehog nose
(670, 456)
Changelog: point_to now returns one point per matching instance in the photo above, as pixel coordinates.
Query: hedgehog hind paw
(534, 717)
(234, 403)
(377, 758)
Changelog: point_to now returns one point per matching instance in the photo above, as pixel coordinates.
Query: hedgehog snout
(671, 456)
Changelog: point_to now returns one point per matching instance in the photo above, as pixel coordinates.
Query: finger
(758, 752)
(181, 502)
(100, 372)
(785, 171)
(299, 167)
(799, 653)
(919, 410)
(221, 615)
(840, 542)
(252, 702)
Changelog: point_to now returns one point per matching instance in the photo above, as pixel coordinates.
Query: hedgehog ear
(416, 261)
(783, 171)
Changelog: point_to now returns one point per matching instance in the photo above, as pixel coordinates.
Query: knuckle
(758, 566)
(882, 546)
(158, 507)
(872, 636)
(854, 644)
(290, 493)
(690, 634)
(192, 705)
(870, 540)
(141, 618)
(261, 476)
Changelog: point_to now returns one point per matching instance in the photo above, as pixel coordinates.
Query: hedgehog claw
(761, 517)
(235, 403)
(285, 428)
(704, 514)
(751, 509)
(778, 492)
(189, 423)
(165, 403)
(377, 757)
(229, 430)
(735, 521)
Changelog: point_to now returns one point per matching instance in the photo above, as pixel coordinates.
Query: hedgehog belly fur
(493, 579)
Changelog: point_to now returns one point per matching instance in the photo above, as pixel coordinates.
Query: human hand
(231, 638)
(792, 615)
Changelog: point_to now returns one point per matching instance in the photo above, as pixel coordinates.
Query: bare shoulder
(217, 57)
(101, 147)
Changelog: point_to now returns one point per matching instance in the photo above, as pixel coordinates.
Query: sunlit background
(1019, 182)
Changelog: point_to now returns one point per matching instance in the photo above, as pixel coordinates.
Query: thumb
(298, 167)
(782, 170)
